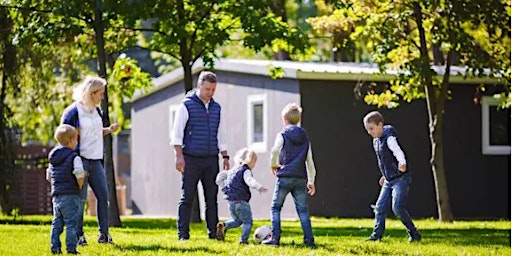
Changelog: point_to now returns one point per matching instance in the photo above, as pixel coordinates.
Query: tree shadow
(156, 247)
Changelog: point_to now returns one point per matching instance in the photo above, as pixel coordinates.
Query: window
(173, 109)
(495, 127)
(256, 123)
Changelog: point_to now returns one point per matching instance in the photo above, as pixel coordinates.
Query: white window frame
(487, 148)
(258, 147)
(173, 110)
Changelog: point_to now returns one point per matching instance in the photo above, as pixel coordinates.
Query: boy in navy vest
(395, 176)
(66, 174)
(292, 162)
(235, 184)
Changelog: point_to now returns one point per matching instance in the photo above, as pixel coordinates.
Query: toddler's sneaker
(105, 239)
(58, 251)
(73, 252)
(270, 242)
(220, 231)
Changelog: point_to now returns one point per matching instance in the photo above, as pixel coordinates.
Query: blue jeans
(97, 179)
(65, 213)
(298, 188)
(397, 191)
(241, 214)
(204, 169)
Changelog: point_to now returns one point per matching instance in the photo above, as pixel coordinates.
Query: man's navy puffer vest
(237, 189)
(70, 116)
(388, 164)
(294, 152)
(200, 137)
(61, 166)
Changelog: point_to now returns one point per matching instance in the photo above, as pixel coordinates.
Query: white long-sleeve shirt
(394, 147)
(225, 177)
(78, 169)
(180, 122)
(310, 165)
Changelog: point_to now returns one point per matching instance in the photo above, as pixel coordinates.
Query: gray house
(476, 139)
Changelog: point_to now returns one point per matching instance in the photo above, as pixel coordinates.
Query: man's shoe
(415, 238)
(82, 241)
(56, 251)
(73, 252)
(105, 239)
(270, 242)
(311, 245)
(373, 239)
(243, 242)
(220, 231)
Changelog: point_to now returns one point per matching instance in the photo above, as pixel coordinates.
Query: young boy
(395, 176)
(292, 162)
(235, 184)
(67, 178)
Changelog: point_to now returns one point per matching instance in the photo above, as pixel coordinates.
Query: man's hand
(311, 189)
(180, 163)
(225, 164)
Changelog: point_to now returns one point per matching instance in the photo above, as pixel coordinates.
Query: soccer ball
(262, 233)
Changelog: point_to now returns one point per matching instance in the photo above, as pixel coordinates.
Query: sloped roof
(343, 71)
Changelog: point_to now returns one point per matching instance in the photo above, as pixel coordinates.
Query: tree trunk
(437, 162)
(7, 180)
(114, 220)
(435, 107)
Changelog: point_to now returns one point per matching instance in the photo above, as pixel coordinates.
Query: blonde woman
(85, 115)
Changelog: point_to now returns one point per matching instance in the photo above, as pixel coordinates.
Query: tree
(81, 30)
(406, 35)
(191, 30)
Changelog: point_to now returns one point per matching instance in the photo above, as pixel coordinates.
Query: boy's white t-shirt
(91, 133)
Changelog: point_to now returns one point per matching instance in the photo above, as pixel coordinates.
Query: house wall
(347, 185)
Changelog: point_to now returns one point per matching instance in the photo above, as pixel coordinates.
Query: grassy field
(30, 235)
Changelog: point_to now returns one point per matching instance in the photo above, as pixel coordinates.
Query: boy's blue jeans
(97, 179)
(298, 188)
(241, 214)
(397, 191)
(65, 213)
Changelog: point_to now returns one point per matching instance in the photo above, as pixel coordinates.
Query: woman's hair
(292, 113)
(244, 156)
(83, 92)
(64, 134)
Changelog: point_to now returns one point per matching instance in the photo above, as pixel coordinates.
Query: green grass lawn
(30, 235)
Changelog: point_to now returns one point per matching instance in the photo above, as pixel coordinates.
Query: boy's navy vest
(61, 167)
(200, 136)
(294, 152)
(70, 116)
(237, 189)
(388, 164)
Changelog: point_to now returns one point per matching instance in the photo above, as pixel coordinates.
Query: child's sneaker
(415, 238)
(73, 252)
(220, 231)
(243, 243)
(105, 239)
(82, 241)
(271, 242)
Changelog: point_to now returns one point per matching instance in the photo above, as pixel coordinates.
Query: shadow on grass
(139, 223)
(462, 237)
(141, 248)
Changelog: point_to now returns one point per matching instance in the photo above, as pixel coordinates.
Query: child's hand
(381, 181)
(86, 173)
(402, 167)
(311, 189)
(275, 168)
(262, 190)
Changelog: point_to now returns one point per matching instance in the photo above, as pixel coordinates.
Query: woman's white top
(91, 133)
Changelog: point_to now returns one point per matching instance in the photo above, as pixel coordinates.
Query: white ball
(262, 233)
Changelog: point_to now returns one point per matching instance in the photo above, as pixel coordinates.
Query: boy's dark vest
(294, 152)
(200, 136)
(61, 167)
(237, 189)
(70, 116)
(388, 164)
